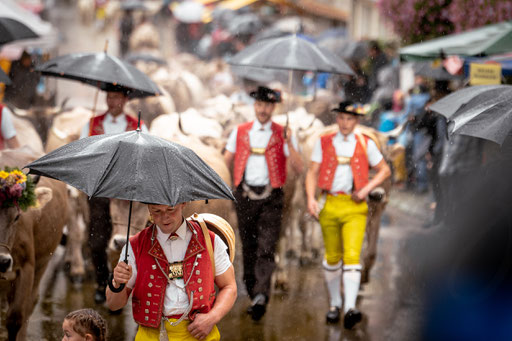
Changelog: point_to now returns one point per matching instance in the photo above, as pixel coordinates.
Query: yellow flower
(19, 175)
(3, 174)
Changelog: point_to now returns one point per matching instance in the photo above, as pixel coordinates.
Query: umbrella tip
(138, 121)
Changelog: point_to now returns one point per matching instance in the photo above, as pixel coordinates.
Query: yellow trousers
(343, 224)
(175, 333)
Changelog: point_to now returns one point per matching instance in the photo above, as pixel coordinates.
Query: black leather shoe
(352, 317)
(99, 296)
(258, 307)
(333, 315)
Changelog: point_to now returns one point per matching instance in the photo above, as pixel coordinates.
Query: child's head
(84, 324)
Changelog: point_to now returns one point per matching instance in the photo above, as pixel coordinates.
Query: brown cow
(28, 241)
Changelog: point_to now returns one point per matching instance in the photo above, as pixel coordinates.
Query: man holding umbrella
(339, 166)
(113, 121)
(258, 151)
(181, 303)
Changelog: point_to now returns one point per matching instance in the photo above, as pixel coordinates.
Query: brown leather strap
(207, 239)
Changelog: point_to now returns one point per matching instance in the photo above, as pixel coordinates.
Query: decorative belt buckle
(258, 151)
(343, 160)
(176, 270)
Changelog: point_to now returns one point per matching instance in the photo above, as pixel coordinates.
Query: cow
(27, 242)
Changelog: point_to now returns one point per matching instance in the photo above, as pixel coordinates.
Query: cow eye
(17, 217)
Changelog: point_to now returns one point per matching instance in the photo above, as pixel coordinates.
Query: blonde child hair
(88, 321)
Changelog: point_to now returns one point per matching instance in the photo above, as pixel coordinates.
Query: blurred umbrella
(222, 16)
(103, 71)
(290, 53)
(245, 24)
(133, 5)
(482, 111)
(270, 32)
(260, 75)
(45, 34)
(189, 12)
(427, 70)
(133, 166)
(4, 78)
(144, 57)
(12, 30)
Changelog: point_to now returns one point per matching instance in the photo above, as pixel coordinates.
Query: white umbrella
(189, 12)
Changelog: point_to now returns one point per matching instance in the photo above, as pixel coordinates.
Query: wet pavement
(388, 303)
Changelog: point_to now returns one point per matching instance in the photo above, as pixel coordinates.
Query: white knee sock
(351, 280)
(332, 275)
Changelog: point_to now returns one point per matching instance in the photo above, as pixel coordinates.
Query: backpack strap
(207, 239)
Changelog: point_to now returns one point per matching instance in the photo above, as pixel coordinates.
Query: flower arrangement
(16, 189)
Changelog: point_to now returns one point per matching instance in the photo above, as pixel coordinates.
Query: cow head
(10, 220)
(119, 213)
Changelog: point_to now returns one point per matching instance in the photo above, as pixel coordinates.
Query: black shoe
(333, 315)
(99, 295)
(352, 317)
(258, 307)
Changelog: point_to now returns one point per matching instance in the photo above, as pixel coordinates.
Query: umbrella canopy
(426, 69)
(290, 53)
(4, 78)
(12, 30)
(482, 111)
(133, 166)
(46, 36)
(189, 12)
(144, 57)
(488, 40)
(102, 70)
(245, 24)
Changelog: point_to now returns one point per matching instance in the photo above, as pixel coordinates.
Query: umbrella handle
(112, 287)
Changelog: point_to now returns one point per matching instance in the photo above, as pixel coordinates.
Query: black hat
(350, 107)
(266, 95)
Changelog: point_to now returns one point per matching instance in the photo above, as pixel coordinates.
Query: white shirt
(343, 178)
(256, 170)
(8, 130)
(176, 300)
(111, 126)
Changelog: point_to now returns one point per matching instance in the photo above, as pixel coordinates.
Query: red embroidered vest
(96, 124)
(274, 154)
(1, 136)
(358, 163)
(150, 285)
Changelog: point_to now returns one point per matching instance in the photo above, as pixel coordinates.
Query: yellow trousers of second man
(174, 333)
(343, 224)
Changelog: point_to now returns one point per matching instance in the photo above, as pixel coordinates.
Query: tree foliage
(419, 20)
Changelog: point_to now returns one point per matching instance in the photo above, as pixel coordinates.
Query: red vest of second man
(274, 154)
(96, 124)
(358, 163)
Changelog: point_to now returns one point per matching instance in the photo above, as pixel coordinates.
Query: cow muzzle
(5, 263)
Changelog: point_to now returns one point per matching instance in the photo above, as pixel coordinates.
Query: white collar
(257, 125)
(181, 231)
(350, 138)
(110, 118)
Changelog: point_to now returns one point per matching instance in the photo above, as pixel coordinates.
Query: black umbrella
(482, 111)
(102, 70)
(245, 24)
(290, 53)
(12, 30)
(426, 69)
(133, 166)
(4, 78)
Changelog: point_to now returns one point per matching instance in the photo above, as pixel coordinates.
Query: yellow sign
(484, 74)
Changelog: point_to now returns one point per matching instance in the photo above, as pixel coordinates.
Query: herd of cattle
(188, 113)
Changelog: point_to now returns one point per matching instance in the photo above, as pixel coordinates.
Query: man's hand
(122, 273)
(359, 196)
(201, 326)
(313, 208)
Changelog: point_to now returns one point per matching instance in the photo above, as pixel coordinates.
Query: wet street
(299, 314)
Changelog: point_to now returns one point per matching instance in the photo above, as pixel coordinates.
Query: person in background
(22, 92)
(7, 132)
